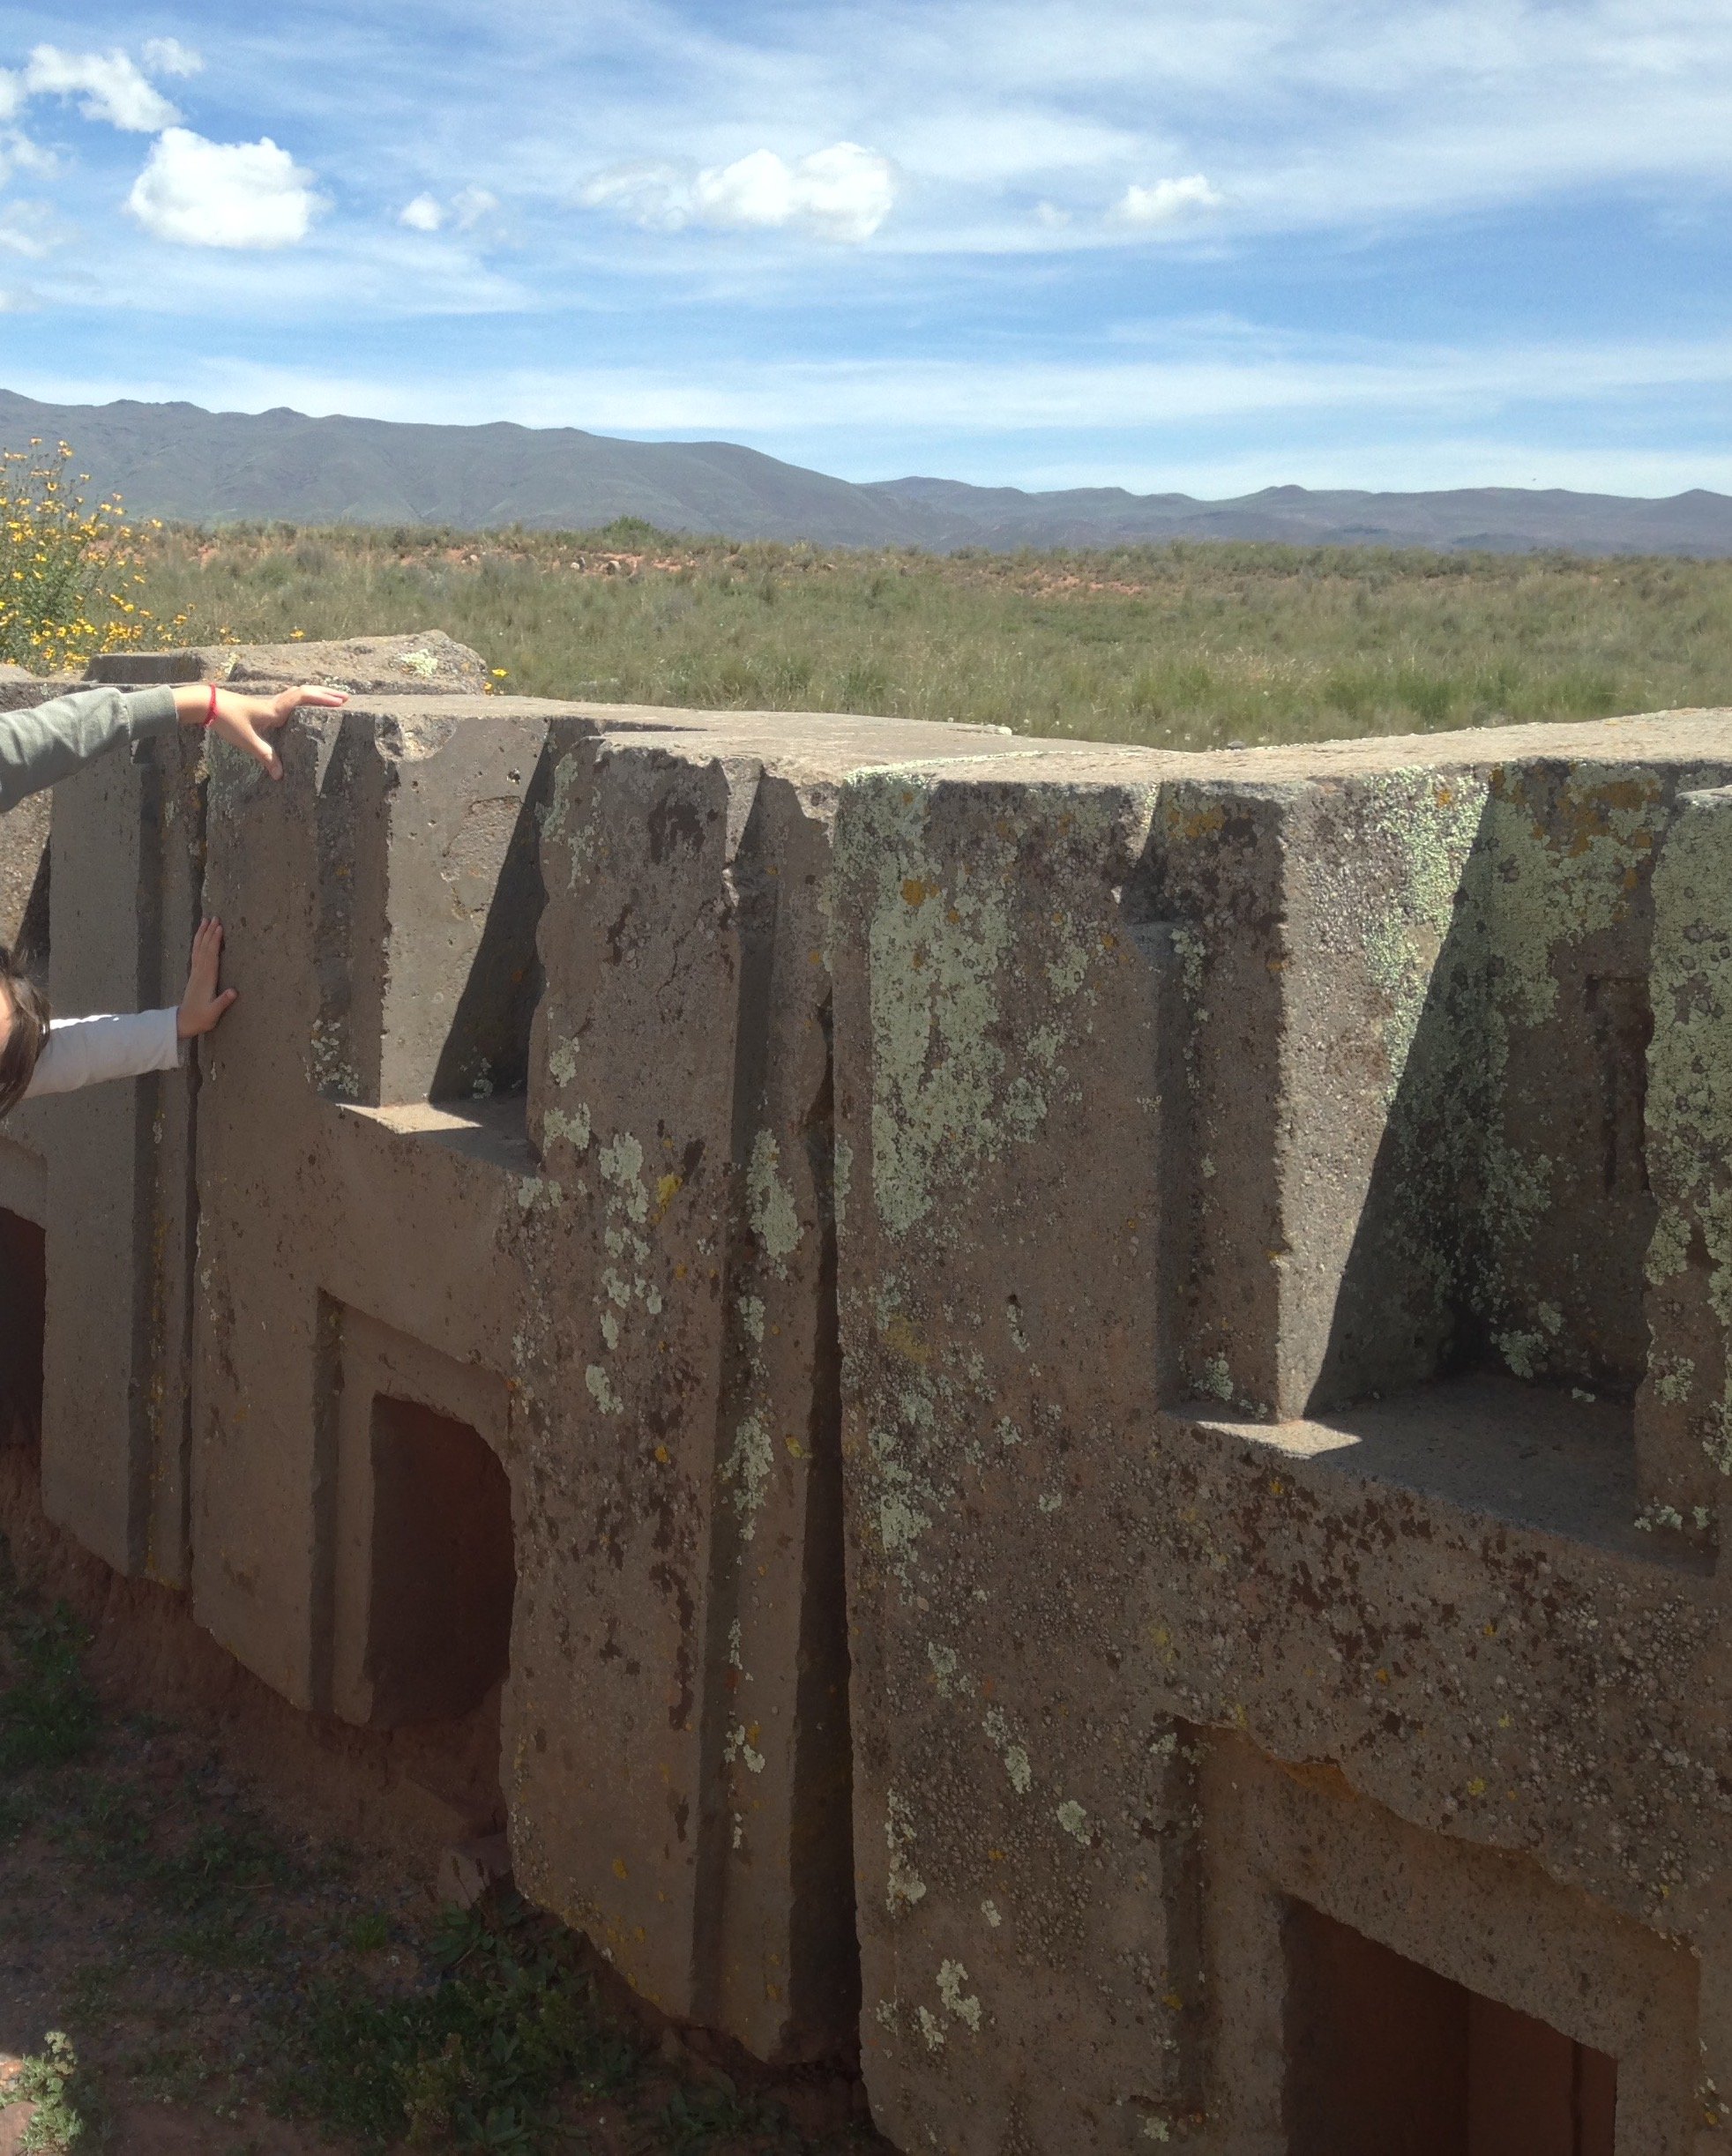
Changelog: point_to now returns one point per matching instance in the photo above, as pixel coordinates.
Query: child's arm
(41, 746)
(37, 747)
(80, 1052)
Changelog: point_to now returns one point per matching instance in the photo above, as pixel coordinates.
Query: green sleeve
(37, 747)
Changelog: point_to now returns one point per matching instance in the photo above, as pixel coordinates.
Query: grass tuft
(48, 1714)
(66, 2112)
(478, 2056)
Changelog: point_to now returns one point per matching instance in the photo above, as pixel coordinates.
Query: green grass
(47, 1713)
(1183, 645)
(68, 2116)
(215, 1966)
(480, 2058)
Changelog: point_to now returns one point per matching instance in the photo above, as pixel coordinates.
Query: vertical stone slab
(1380, 1023)
(1220, 875)
(360, 900)
(264, 1443)
(126, 837)
(24, 878)
(430, 892)
(1315, 923)
(780, 1962)
(1023, 1822)
(680, 1565)
(1560, 896)
(1684, 1411)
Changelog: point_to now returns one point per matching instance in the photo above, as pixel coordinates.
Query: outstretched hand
(244, 721)
(203, 1003)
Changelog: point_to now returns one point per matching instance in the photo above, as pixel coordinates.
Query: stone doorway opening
(23, 1327)
(1385, 2058)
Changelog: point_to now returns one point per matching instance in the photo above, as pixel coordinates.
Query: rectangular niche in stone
(439, 1630)
(1385, 2055)
(425, 1571)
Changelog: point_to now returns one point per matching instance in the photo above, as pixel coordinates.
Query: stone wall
(1068, 1405)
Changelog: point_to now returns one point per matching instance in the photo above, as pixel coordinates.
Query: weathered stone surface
(23, 879)
(1023, 1813)
(1287, 1842)
(426, 662)
(1404, 986)
(355, 897)
(1106, 1438)
(1684, 1411)
(24, 835)
(679, 1374)
(669, 1441)
(1369, 1131)
(126, 837)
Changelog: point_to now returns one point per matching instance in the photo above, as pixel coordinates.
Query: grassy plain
(1182, 645)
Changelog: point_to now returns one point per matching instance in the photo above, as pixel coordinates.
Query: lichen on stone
(770, 1207)
(747, 1471)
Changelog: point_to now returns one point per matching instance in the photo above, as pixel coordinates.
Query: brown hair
(26, 1034)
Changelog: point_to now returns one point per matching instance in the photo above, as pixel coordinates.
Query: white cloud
(470, 205)
(1167, 203)
(222, 194)
(843, 193)
(18, 153)
(30, 229)
(652, 196)
(758, 189)
(166, 56)
(108, 86)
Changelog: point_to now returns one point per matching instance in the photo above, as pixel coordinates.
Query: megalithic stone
(1684, 1411)
(1010, 1036)
(127, 844)
(680, 1562)
(379, 903)
(681, 1570)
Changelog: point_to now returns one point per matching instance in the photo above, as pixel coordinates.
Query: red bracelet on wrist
(209, 716)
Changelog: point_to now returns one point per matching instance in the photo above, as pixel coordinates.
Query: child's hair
(26, 1034)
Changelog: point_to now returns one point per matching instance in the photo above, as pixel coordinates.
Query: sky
(1198, 245)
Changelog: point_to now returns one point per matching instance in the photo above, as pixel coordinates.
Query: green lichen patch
(975, 979)
(1480, 897)
(1689, 1124)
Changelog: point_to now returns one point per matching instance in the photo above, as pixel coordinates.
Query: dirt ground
(220, 1937)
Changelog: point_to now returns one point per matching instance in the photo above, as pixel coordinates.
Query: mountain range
(179, 462)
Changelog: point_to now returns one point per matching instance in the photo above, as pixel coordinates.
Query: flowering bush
(67, 571)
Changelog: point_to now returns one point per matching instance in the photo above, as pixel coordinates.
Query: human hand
(245, 720)
(203, 1003)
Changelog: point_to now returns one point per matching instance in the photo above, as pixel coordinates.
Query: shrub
(68, 574)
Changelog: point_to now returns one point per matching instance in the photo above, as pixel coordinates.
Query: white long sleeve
(85, 1051)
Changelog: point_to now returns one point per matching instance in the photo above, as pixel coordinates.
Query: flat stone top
(1664, 738)
(1497, 1450)
(807, 748)
(820, 747)
(425, 662)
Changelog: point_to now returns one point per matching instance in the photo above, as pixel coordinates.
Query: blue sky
(1198, 244)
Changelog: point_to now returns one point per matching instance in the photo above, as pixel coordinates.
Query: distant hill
(177, 461)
